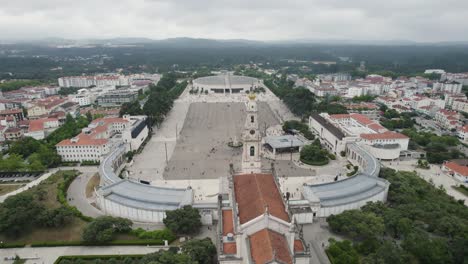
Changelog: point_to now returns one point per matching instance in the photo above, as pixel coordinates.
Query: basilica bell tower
(251, 138)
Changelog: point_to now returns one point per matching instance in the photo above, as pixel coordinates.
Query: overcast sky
(418, 20)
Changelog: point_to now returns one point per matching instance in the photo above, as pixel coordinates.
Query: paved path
(316, 235)
(435, 174)
(77, 194)
(48, 255)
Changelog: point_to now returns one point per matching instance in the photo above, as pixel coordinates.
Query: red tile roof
(84, 140)
(38, 124)
(464, 129)
(11, 111)
(385, 135)
(230, 248)
(267, 245)
(377, 127)
(255, 192)
(228, 226)
(298, 246)
(362, 119)
(90, 139)
(462, 170)
(340, 116)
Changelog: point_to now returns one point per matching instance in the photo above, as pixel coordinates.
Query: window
(252, 119)
(252, 151)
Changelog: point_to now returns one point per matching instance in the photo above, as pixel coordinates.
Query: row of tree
(160, 99)
(300, 100)
(438, 148)
(419, 224)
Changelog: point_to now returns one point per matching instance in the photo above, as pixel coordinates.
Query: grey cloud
(419, 20)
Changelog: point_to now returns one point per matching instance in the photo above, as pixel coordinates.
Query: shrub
(343, 153)
(12, 245)
(332, 156)
(89, 163)
(164, 234)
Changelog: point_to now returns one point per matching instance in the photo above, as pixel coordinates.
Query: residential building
(462, 133)
(447, 119)
(45, 106)
(116, 98)
(98, 80)
(41, 128)
(13, 133)
(449, 87)
(16, 113)
(458, 169)
(460, 105)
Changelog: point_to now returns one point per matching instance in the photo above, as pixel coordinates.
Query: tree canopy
(104, 228)
(418, 223)
(313, 154)
(183, 221)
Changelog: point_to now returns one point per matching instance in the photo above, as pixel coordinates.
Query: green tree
(342, 252)
(18, 213)
(183, 221)
(202, 251)
(103, 229)
(357, 224)
(313, 154)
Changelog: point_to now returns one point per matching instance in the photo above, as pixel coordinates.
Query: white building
(337, 131)
(98, 80)
(462, 133)
(447, 119)
(84, 97)
(226, 84)
(95, 141)
(41, 128)
(431, 71)
(460, 105)
(449, 87)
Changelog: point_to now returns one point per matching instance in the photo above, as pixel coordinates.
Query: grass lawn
(461, 189)
(93, 182)
(7, 188)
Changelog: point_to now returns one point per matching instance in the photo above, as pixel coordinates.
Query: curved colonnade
(134, 200)
(353, 192)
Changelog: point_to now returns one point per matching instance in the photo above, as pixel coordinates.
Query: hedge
(12, 245)
(164, 234)
(95, 257)
(89, 163)
(315, 163)
(142, 242)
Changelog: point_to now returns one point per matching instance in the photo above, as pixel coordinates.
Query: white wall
(112, 208)
(327, 211)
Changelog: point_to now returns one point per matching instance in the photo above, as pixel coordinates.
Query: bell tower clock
(251, 137)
